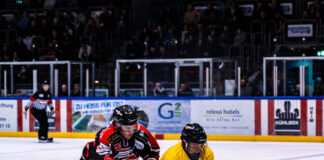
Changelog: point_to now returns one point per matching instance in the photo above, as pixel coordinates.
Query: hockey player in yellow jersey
(192, 146)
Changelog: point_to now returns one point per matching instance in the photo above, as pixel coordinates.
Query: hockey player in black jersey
(37, 105)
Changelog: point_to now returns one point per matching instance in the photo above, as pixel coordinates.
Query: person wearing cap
(37, 105)
(193, 145)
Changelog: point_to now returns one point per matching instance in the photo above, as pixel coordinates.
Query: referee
(37, 106)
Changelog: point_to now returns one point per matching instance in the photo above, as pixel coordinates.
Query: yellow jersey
(176, 152)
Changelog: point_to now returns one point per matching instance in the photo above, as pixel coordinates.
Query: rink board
(223, 119)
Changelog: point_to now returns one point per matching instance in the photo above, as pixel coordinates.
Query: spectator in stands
(226, 39)
(23, 22)
(157, 35)
(239, 37)
(200, 50)
(275, 8)
(305, 15)
(3, 22)
(76, 90)
(259, 7)
(77, 28)
(50, 54)
(158, 90)
(192, 16)
(106, 19)
(186, 49)
(234, 10)
(170, 37)
(123, 23)
(185, 90)
(211, 47)
(131, 50)
(20, 48)
(49, 4)
(315, 8)
(85, 52)
(209, 15)
(144, 34)
(12, 24)
(63, 90)
(168, 15)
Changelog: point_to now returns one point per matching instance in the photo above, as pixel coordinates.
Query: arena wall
(230, 119)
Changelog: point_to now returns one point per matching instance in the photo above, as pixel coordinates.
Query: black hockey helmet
(194, 133)
(125, 115)
(45, 82)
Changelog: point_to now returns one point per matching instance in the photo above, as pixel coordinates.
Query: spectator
(77, 28)
(186, 49)
(85, 52)
(49, 4)
(200, 50)
(63, 91)
(90, 31)
(305, 15)
(185, 90)
(169, 38)
(209, 15)
(33, 28)
(275, 8)
(123, 23)
(13, 22)
(259, 7)
(315, 8)
(239, 37)
(131, 50)
(158, 90)
(234, 10)
(168, 15)
(50, 55)
(3, 22)
(158, 34)
(76, 90)
(192, 16)
(23, 22)
(144, 34)
(226, 39)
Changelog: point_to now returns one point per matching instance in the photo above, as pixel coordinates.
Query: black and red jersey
(40, 100)
(114, 146)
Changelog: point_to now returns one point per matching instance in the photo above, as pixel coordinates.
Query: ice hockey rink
(70, 149)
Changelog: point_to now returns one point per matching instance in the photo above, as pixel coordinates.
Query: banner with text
(8, 115)
(91, 115)
(224, 117)
(164, 116)
(300, 30)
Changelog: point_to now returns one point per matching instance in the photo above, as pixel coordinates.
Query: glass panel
(131, 80)
(161, 82)
(292, 78)
(318, 78)
(224, 78)
(189, 82)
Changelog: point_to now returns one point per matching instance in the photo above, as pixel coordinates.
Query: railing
(52, 71)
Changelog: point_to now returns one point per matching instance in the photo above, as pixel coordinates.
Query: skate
(49, 140)
(42, 139)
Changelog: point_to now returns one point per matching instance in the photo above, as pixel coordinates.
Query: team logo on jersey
(41, 95)
(139, 145)
(117, 147)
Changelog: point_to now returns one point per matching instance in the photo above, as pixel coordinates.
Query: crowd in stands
(54, 34)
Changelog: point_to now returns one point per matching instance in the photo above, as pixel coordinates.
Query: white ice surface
(70, 149)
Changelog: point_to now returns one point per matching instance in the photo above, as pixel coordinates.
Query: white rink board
(8, 115)
(224, 117)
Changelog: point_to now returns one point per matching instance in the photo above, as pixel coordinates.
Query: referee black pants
(41, 116)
